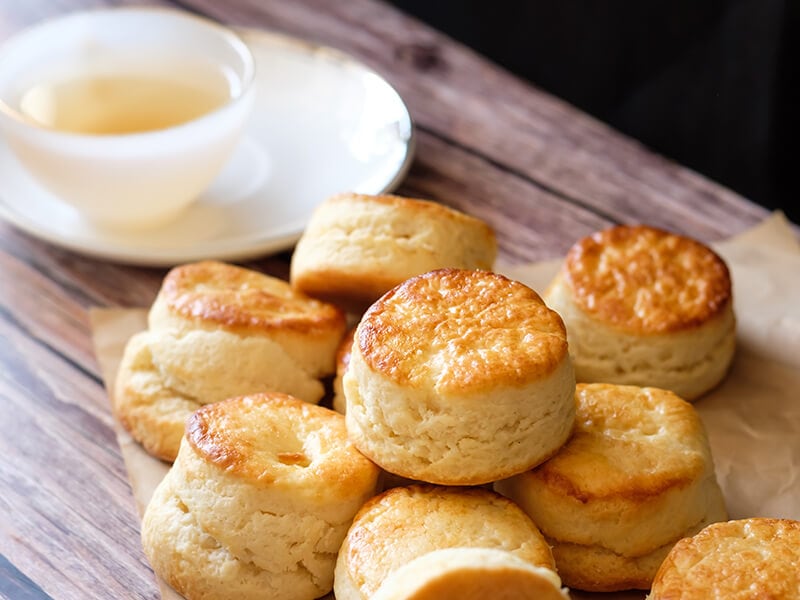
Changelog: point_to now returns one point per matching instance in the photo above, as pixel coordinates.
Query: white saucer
(323, 124)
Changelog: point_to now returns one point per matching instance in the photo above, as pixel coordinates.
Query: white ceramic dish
(323, 123)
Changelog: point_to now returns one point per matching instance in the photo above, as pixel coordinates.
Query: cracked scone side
(146, 407)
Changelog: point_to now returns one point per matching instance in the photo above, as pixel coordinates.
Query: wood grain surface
(539, 171)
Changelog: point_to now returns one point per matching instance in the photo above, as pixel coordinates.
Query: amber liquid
(124, 103)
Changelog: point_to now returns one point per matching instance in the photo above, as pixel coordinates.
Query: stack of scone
(217, 331)
(454, 376)
(635, 477)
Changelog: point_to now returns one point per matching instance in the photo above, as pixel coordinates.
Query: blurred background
(712, 84)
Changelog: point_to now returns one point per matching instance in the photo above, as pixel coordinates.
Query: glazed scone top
(461, 331)
(405, 523)
(237, 298)
(628, 442)
(471, 574)
(646, 280)
(274, 439)
(736, 560)
(421, 209)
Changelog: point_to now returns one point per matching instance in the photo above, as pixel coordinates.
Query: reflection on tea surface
(103, 104)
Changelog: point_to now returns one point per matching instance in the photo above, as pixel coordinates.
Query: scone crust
(636, 473)
(471, 574)
(421, 208)
(427, 207)
(736, 560)
(404, 523)
(460, 331)
(273, 439)
(241, 300)
(644, 280)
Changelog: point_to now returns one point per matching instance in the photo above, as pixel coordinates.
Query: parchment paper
(753, 418)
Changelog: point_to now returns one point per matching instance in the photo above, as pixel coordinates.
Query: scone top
(461, 331)
(747, 558)
(646, 280)
(636, 474)
(629, 443)
(240, 299)
(405, 523)
(273, 439)
(471, 574)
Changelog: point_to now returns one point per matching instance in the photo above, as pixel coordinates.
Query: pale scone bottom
(688, 362)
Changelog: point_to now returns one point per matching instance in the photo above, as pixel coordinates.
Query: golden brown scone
(223, 330)
(459, 378)
(403, 524)
(342, 360)
(599, 569)
(217, 331)
(736, 560)
(471, 574)
(258, 501)
(357, 247)
(636, 476)
(646, 307)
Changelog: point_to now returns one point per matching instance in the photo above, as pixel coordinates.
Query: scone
(471, 574)
(357, 247)
(429, 542)
(646, 307)
(217, 331)
(736, 560)
(258, 501)
(635, 477)
(459, 378)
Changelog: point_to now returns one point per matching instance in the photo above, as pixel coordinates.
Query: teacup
(126, 114)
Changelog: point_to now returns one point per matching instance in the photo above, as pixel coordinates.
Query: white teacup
(125, 164)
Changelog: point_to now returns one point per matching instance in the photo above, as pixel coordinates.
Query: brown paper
(752, 418)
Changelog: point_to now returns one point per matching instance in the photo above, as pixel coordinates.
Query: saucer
(323, 123)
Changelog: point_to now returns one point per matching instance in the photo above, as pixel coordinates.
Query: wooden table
(538, 170)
